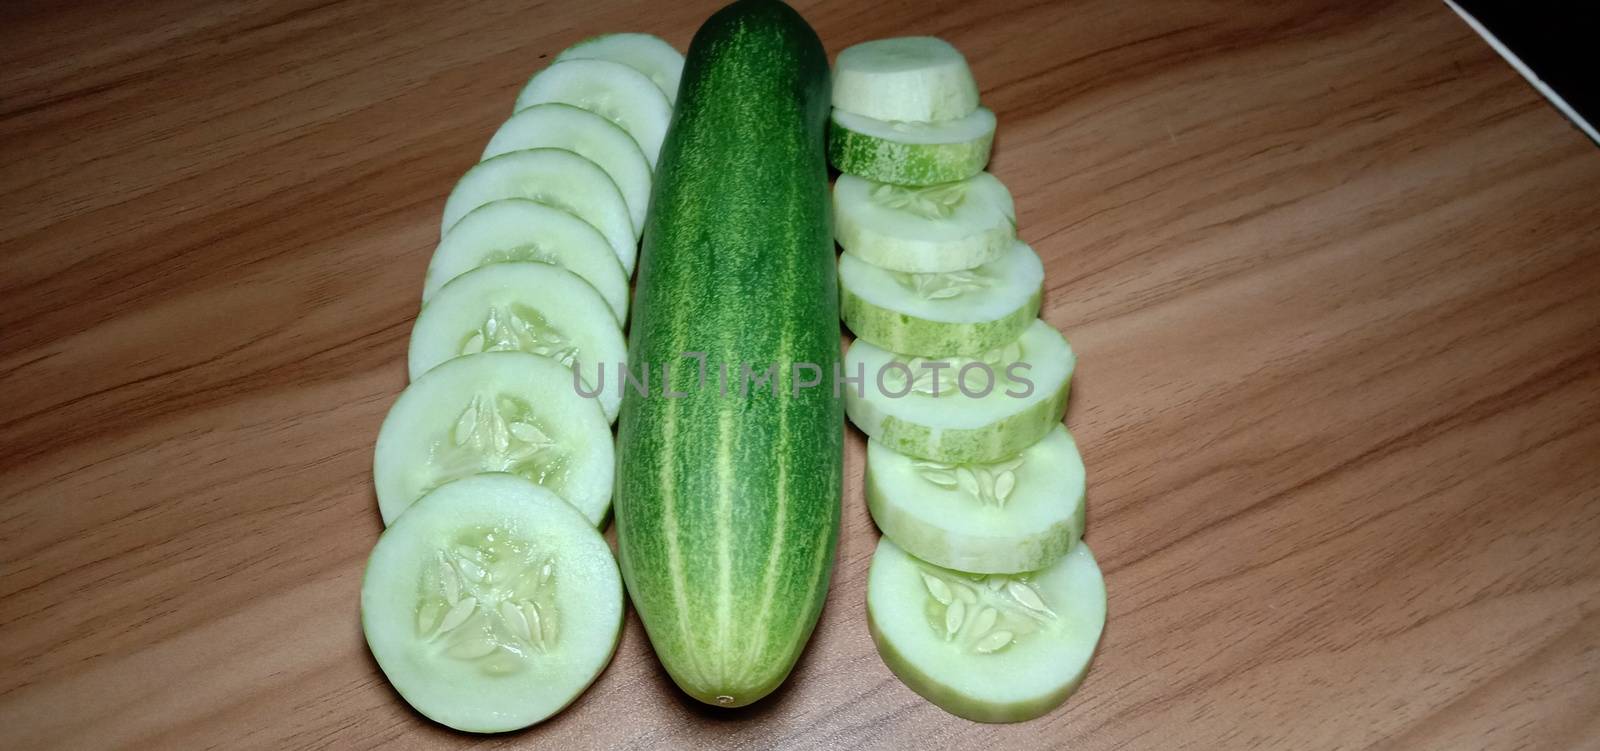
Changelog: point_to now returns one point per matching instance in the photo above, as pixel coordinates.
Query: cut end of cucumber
(491, 604)
(1007, 517)
(996, 648)
(904, 78)
(899, 409)
(942, 313)
(939, 228)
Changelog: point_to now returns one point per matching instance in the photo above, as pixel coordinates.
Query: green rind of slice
(911, 335)
(901, 162)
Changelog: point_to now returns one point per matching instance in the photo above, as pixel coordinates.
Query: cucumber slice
(555, 177)
(527, 307)
(943, 313)
(911, 153)
(611, 90)
(563, 126)
(1027, 399)
(948, 227)
(904, 78)
(517, 229)
(991, 648)
(646, 53)
(491, 604)
(1020, 514)
(495, 412)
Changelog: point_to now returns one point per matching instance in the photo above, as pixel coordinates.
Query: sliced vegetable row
(981, 596)
(492, 601)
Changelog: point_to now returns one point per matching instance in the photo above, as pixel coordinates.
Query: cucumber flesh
(611, 90)
(495, 412)
(943, 313)
(646, 53)
(954, 427)
(911, 153)
(563, 126)
(993, 648)
(526, 307)
(555, 177)
(947, 227)
(491, 604)
(517, 229)
(1016, 515)
(904, 78)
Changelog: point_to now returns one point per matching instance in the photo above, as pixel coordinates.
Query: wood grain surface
(1331, 267)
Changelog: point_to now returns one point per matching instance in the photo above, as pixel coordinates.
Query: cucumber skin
(728, 565)
(910, 164)
(991, 443)
(909, 335)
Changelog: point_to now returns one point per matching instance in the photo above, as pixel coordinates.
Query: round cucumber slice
(611, 90)
(948, 227)
(904, 78)
(911, 153)
(646, 53)
(942, 313)
(1019, 514)
(555, 177)
(495, 412)
(896, 404)
(517, 229)
(491, 604)
(563, 126)
(526, 307)
(993, 648)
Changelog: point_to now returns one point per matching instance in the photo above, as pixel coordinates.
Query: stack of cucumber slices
(491, 600)
(982, 596)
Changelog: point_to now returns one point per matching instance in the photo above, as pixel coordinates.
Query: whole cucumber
(728, 487)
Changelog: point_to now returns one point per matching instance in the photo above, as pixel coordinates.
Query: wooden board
(1331, 267)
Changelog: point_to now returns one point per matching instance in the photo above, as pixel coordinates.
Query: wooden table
(1331, 268)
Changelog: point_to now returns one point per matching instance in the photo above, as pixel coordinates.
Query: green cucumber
(517, 229)
(495, 412)
(943, 313)
(524, 306)
(991, 648)
(946, 227)
(911, 153)
(904, 78)
(1018, 514)
(491, 604)
(555, 177)
(646, 53)
(727, 507)
(611, 90)
(930, 410)
(563, 126)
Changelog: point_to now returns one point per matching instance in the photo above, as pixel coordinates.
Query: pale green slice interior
(941, 313)
(995, 648)
(495, 412)
(946, 227)
(646, 53)
(525, 306)
(1026, 400)
(904, 78)
(563, 126)
(609, 89)
(1006, 517)
(910, 153)
(491, 604)
(555, 177)
(517, 229)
